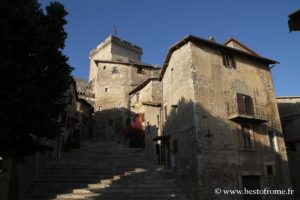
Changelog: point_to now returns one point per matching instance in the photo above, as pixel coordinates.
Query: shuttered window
(228, 60)
(245, 104)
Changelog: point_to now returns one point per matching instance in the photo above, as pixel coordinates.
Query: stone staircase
(104, 171)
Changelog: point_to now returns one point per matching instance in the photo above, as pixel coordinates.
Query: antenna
(115, 30)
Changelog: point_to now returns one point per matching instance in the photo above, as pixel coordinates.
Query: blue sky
(156, 25)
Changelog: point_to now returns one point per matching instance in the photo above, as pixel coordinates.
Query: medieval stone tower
(115, 69)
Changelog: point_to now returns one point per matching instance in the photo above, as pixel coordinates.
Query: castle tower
(115, 69)
(114, 49)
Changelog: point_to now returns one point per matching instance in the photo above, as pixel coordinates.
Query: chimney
(212, 39)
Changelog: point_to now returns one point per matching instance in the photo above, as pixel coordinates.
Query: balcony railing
(256, 114)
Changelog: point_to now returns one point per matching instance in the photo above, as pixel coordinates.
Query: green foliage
(34, 74)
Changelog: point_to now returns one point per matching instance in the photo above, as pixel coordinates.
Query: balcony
(242, 113)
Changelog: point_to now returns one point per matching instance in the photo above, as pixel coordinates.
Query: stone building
(85, 117)
(211, 115)
(84, 90)
(221, 123)
(145, 101)
(289, 110)
(115, 69)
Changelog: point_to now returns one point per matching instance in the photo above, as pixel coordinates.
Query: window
(158, 121)
(272, 139)
(99, 108)
(245, 104)
(269, 170)
(137, 97)
(104, 67)
(139, 70)
(247, 137)
(106, 89)
(228, 60)
(114, 70)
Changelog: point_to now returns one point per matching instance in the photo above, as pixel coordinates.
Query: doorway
(251, 183)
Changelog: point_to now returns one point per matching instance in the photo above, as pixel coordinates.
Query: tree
(34, 74)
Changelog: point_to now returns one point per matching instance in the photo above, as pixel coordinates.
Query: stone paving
(104, 171)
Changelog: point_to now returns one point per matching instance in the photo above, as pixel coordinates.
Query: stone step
(110, 195)
(104, 171)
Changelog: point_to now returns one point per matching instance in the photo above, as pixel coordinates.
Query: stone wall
(178, 114)
(289, 109)
(114, 49)
(147, 101)
(198, 92)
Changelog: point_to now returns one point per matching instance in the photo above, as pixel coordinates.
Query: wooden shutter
(241, 103)
(232, 60)
(249, 105)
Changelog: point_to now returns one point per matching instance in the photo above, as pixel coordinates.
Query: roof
(288, 97)
(197, 40)
(126, 63)
(240, 44)
(294, 21)
(295, 14)
(142, 85)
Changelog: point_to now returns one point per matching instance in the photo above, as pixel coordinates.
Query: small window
(158, 120)
(104, 67)
(139, 70)
(137, 97)
(269, 170)
(247, 137)
(114, 70)
(99, 108)
(106, 89)
(228, 60)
